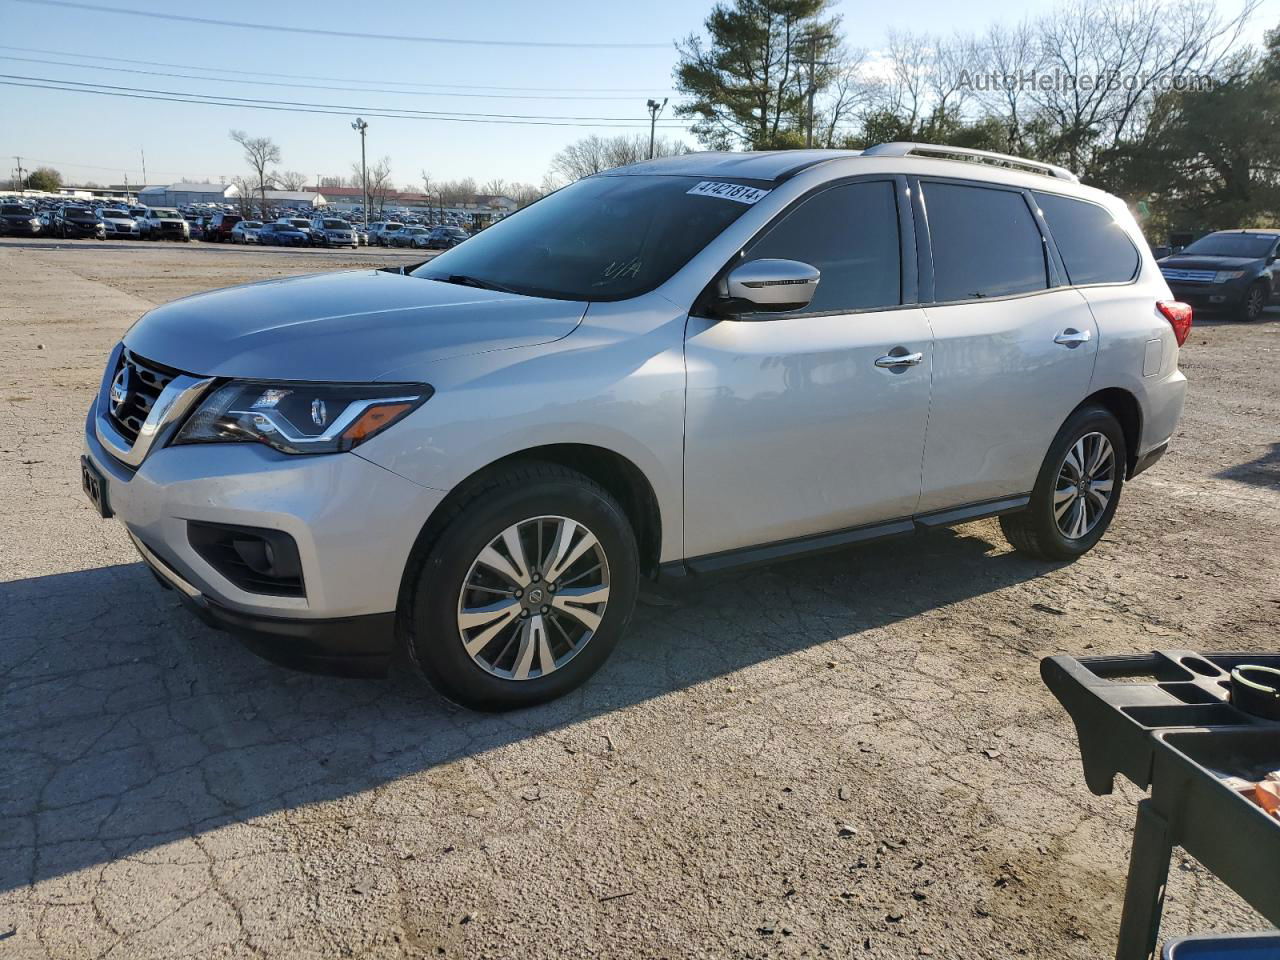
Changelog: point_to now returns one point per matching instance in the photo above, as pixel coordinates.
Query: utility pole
(655, 108)
(813, 63)
(143, 154)
(360, 127)
(21, 187)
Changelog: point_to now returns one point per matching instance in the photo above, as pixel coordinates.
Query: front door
(805, 423)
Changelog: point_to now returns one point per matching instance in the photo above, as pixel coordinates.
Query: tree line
(1155, 100)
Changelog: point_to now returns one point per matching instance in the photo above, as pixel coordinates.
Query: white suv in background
(673, 368)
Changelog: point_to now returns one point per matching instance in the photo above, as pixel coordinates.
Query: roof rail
(940, 152)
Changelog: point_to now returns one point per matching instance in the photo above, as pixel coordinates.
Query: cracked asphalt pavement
(849, 756)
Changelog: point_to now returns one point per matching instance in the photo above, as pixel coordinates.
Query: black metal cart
(1164, 720)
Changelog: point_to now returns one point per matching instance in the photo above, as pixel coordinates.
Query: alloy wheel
(1253, 306)
(1085, 486)
(533, 598)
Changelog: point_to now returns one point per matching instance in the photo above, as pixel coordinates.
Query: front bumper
(1212, 296)
(353, 646)
(354, 524)
(78, 232)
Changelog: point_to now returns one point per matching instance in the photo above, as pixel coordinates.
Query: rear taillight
(1179, 317)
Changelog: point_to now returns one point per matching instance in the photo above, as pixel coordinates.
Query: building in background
(183, 194)
(308, 199)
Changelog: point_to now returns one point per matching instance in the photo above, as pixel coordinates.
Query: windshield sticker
(729, 191)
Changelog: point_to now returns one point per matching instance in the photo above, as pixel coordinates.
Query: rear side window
(850, 233)
(985, 243)
(1093, 246)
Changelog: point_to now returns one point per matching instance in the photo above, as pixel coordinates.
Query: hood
(353, 326)
(1194, 262)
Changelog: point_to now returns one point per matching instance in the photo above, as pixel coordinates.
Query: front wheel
(525, 591)
(1077, 490)
(1255, 301)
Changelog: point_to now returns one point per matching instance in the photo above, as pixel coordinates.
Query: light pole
(655, 108)
(360, 127)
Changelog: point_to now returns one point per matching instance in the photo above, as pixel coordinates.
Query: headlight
(1222, 276)
(300, 418)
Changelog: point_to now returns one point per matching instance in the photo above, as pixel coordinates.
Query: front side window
(985, 243)
(850, 233)
(602, 238)
(1093, 246)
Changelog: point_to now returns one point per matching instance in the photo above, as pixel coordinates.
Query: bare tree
(454, 192)
(244, 196)
(595, 154)
(525, 193)
(290, 180)
(1129, 50)
(260, 152)
(849, 93)
(378, 185)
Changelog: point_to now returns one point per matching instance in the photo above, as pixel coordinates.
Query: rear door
(792, 427)
(1014, 346)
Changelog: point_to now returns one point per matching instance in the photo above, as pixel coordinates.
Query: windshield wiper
(463, 280)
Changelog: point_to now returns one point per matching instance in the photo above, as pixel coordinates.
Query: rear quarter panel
(1137, 350)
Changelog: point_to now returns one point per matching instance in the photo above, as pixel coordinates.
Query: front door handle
(904, 360)
(1073, 338)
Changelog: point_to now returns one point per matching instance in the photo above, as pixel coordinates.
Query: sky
(92, 137)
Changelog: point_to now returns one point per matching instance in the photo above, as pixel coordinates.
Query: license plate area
(94, 485)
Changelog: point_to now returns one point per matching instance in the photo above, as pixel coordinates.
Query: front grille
(1189, 276)
(141, 384)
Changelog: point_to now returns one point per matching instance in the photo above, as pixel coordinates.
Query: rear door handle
(1073, 338)
(903, 360)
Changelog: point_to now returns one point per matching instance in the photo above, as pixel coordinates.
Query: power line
(249, 101)
(345, 34)
(164, 97)
(303, 76)
(305, 86)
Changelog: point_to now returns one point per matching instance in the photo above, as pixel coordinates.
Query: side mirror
(767, 286)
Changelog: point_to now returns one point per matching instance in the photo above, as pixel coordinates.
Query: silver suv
(673, 368)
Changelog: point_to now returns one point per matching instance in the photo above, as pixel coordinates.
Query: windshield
(13, 208)
(1251, 245)
(116, 214)
(300, 223)
(164, 214)
(336, 225)
(78, 215)
(603, 238)
(250, 224)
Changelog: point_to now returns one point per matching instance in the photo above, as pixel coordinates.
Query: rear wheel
(525, 591)
(1076, 492)
(1255, 301)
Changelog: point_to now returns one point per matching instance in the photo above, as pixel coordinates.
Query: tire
(1038, 531)
(531, 497)
(1255, 301)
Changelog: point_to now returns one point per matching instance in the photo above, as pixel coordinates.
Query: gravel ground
(846, 756)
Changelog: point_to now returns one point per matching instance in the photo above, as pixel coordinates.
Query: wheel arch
(1124, 406)
(625, 481)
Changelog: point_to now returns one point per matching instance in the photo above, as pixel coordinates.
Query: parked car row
(70, 220)
(392, 233)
